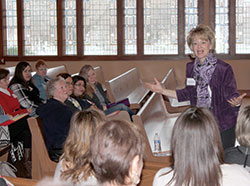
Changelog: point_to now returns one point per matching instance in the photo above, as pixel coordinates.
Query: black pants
(228, 137)
(19, 131)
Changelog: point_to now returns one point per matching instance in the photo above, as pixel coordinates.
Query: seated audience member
(240, 154)
(19, 130)
(116, 153)
(74, 167)
(96, 94)
(22, 86)
(73, 103)
(56, 117)
(40, 78)
(198, 154)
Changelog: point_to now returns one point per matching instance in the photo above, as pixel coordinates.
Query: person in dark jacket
(210, 83)
(56, 116)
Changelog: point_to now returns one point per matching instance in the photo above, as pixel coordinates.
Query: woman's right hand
(157, 87)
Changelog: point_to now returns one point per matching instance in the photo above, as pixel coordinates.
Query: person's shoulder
(234, 169)
(223, 63)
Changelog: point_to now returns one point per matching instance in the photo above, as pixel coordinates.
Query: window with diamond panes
(100, 27)
(191, 19)
(70, 40)
(242, 27)
(160, 27)
(10, 28)
(130, 27)
(40, 27)
(222, 27)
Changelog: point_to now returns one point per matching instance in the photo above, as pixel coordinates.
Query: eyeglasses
(79, 85)
(68, 83)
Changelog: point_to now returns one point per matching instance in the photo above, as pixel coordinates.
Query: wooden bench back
(153, 117)
(127, 85)
(41, 164)
(54, 71)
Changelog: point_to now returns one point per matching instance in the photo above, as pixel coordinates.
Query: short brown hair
(205, 32)
(39, 63)
(113, 147)
(4, 73)
(242, 129)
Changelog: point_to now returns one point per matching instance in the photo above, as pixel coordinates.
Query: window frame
(120, 34)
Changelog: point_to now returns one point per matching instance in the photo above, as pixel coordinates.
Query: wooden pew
(170, 82)
(153, 117)
(127, 85)
(41, 164)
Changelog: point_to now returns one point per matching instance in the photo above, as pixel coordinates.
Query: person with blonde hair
(94, 92)
(40, 78)
(240, 154)
(116, 153)
(210, 83)
(198, 158)
(74, 166)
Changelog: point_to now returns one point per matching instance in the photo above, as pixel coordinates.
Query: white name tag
(190, 82)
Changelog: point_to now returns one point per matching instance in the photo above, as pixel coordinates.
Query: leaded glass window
(11, 28)
(130, 27)
(100, 27)
(242, 26)
(191, 19)
(160, 27)
(40, 27)
(222, 27)
(70, 41)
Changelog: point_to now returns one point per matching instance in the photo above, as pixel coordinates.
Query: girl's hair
(77, 78)
(4, 73)
(242, 130)
(18, 75)
(205, 32)
(51, 86)
(197, 149)
(39, 63)
(113, 147)
(76, 149)
(84, 73)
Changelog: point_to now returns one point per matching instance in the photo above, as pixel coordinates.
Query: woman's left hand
(235, 102)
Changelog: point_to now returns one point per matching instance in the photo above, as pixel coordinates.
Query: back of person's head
(197, 149)
(64, 75)
(84, 71)
(242, 130)
(76, 148)
(51, 86)
(18, 75)
(116, 153)
(4, 73)
(40, 63)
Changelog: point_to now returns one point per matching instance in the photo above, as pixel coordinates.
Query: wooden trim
(140, 28)
(60, 27)
(79, 27)
(201, 19)
(1, 30)
(212, 14)
(232, 27)
(181, 27)
(20, 29)
(120, 28)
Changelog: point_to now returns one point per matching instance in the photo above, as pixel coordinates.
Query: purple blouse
(223, 87)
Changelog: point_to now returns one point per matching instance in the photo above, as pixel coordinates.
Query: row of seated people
(25, 94)
(101, 152)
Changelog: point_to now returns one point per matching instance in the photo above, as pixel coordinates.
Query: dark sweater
(56, 121)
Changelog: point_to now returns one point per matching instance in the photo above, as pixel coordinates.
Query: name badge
(191, 82)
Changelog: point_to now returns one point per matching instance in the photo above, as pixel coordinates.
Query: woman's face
(4, 83)
(69, 85)
(79, 88)
(42, 70)
(26, 73)
(201, 47)
(91, 77)
(60, 92)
